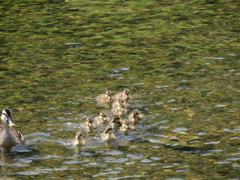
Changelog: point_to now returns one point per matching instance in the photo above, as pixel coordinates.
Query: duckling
(116, 122)
(78, 140)
(9, 136)
(125, 126)
(119, 110)
(89, 125)
(105, 98)
(135, 116)
(102, 118)
(125, 95)
(108, 134)
(119, 101)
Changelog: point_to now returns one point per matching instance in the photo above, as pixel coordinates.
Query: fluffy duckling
(126, 125)
(119, 110)
(125, 95)
(102, 118)
(116, 122)
(89, 125)
(78, 140)
(9, 136)
(135, 116)
(105, 98)
(119, 101)
(108, 134)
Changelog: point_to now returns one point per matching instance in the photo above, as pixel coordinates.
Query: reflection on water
(179, 60)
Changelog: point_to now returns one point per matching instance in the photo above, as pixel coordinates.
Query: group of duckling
(119, 111)
(10, 137)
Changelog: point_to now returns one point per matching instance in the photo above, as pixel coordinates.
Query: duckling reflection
(119, 101)
(89, 125)
(119, 110)
(116, 122)
(108, 135)
(125, 95)
(126, 125)
(135, 116)
(9, 136)
(78, 140)
(105, 98)
(102, 118)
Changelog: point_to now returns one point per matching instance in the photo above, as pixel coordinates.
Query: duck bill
(126, 126)
(10, 123)
(133, 116)
(113, 121)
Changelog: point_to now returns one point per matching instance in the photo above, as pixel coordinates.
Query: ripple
(217, 58)
(162, 86)
(115, 153)
(183, 170)
(110, 172)
(129, 163)
(115, 160)
(166, 167)
(180, 129)
(171, 100)
(213, 142)
(135, 156)
(233, 159)
(70, 162)
(222, 162)
(145, 161)
(155, 158)
(220, 106)
(207, 154)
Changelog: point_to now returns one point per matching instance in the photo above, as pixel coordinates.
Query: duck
(89, 124)
(105, 98)
(119, 110)
(116, 122)
(108, 135)
(78, 140)
(102, 118)
(9, 136)
(126, 125)
(135, 116)
(125, 95)
(119, 101)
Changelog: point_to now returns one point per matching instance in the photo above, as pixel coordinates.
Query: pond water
(179, 59)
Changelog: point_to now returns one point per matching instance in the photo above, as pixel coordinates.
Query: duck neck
(109, 133)
(6, 127)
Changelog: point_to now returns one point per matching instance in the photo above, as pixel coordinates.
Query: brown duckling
(119, 110)
(116, 122)
(108, 134)
(126, 125)
(135, 116)
(119, 101)
(89, 124)
(125, 95)
(102, 118)
(105, 98)
(9, 136)
(78, 140)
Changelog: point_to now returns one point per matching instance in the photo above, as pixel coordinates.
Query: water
(179, 59)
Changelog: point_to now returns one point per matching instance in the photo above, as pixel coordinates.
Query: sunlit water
(179, 60)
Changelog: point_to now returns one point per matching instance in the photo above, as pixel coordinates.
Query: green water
(180, 60)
